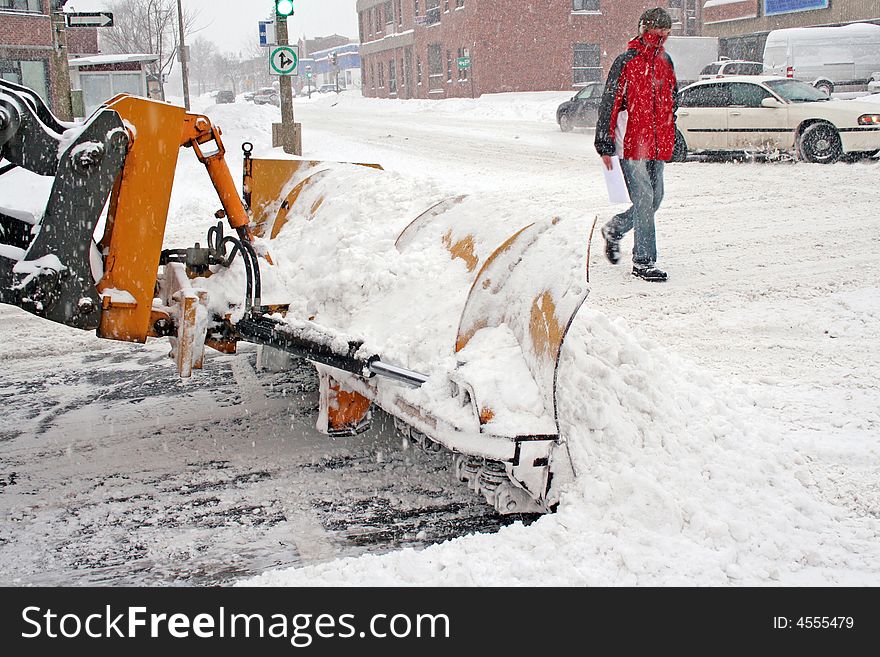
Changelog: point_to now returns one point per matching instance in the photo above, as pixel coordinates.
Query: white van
(830, 58)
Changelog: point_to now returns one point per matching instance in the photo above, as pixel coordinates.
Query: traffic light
(334, 58)
(284, 7)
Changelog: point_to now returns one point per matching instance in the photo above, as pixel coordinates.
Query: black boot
(649, 273)
(612, 246)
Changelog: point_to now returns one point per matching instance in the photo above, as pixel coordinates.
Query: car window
(743, 94)
(588, 92)
(751, 69)
(711, 69)
(796, 91)
(705, 95)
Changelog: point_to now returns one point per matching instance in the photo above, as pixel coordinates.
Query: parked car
(327, 88)
(224, 96)
(267, 96)
(249, 96)
(726, 67)
(773, 114)
(582, 109)
(874, 84)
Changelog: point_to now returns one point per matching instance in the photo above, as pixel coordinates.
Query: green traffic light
(284, 7)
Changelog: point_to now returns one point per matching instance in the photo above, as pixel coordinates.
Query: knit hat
(656, 18)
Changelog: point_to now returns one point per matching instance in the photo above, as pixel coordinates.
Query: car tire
(566, 123)
(826, 86)
(679, 151)
(820, 143)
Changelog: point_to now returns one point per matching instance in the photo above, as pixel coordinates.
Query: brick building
(742, 25)
(33, 50)
(414, 48)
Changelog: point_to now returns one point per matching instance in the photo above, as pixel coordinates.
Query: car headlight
(869, 119)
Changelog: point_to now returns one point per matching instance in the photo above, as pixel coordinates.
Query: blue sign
(773, 7)
(267, 33)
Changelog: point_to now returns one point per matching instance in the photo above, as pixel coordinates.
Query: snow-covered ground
(724, 426)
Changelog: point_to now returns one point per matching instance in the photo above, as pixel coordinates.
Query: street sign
(89, 19)
(283, 60)
(464, 62)
(267, 33)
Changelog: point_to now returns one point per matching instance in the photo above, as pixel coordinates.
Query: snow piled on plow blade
(376, 257)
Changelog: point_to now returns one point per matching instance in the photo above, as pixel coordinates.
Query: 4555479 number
(814, 622)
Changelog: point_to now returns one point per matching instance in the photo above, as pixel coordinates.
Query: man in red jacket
(637, 124)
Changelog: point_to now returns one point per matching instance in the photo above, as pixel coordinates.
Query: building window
(400, 12)
(418, 70)
(435, 63)
(586, 66)
(361, 26)
(381, 75)
(372, 76)
(435, 66)
(448, 66)
(585, 5)
(462, 72)
(446, 5)
(432, 11)
(392, 77)
(29, 73)
(416, 8)
(389, 12)
(404, 83)
(378, 11)
(459, 4)
(34, 6)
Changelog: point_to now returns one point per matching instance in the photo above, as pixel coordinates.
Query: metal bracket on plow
(189, 306)
(343, 412)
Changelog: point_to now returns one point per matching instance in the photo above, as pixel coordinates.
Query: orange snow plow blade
(524, 286)
(271, 187)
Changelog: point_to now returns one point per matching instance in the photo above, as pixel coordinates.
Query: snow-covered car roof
(754, 79)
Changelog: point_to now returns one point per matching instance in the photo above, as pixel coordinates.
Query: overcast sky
(232, 23)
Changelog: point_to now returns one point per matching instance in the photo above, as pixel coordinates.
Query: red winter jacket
(642, 83)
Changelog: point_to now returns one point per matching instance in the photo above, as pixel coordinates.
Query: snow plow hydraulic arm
(127, 151)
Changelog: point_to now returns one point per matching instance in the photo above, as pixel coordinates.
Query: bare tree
(201, 62)
(228, 67)
(147, 27)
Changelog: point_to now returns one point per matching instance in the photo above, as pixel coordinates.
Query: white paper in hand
(617, 191)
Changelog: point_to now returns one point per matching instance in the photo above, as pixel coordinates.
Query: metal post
(471, 76)
(184, 60)
(289, 129)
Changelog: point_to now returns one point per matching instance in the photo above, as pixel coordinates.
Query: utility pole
(60, 85)
(184, 59)
(291, 136)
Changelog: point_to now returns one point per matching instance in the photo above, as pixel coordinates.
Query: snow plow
(449, 322)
